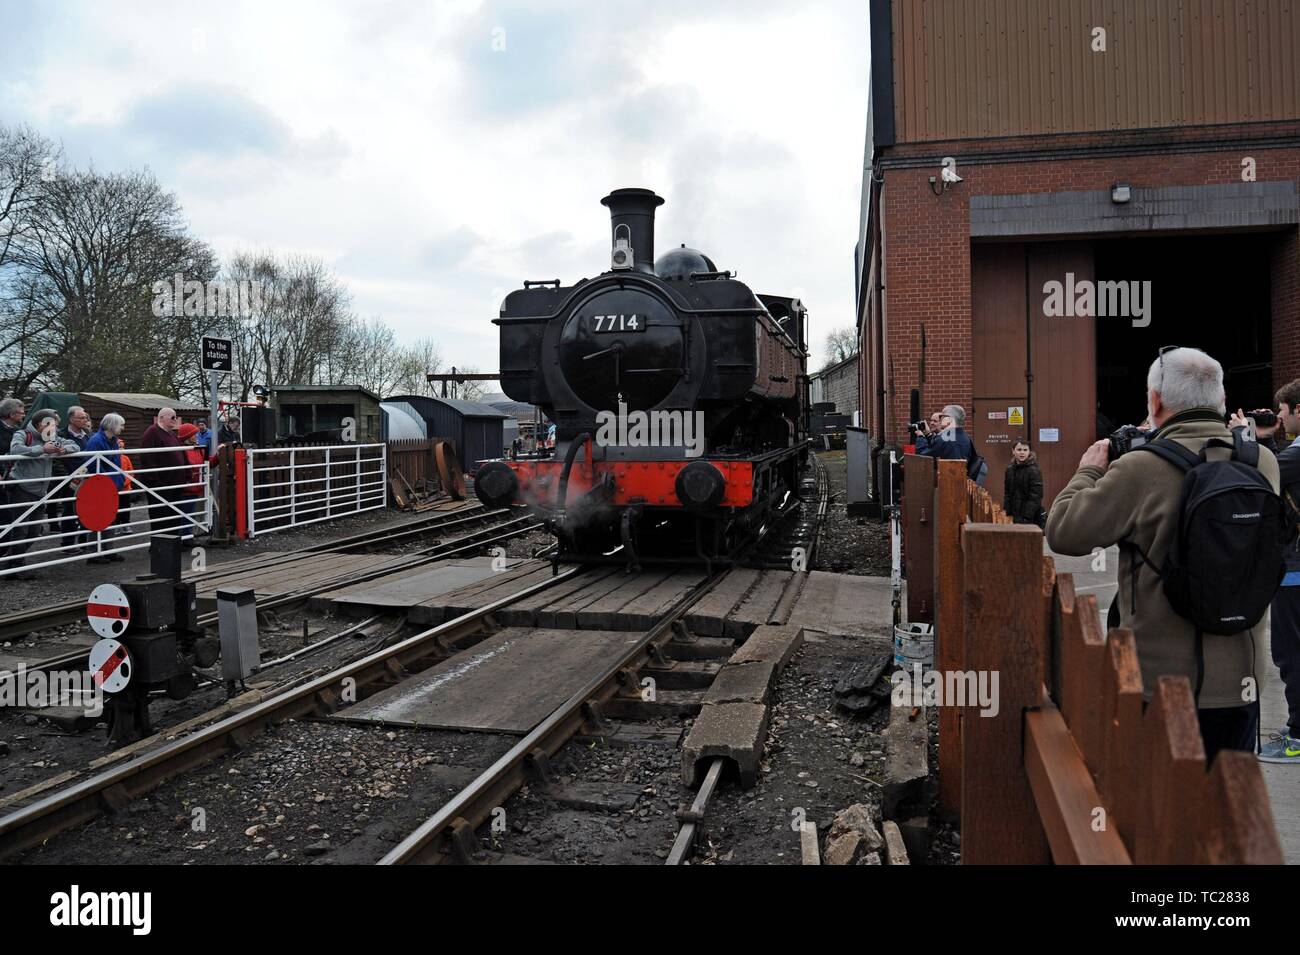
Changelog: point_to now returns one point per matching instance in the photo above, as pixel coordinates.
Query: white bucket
(914, 643)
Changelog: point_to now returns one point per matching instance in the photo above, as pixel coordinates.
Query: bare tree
(422, 358)
(841, 345)
(83, 264)
(97, 273)
(27, 161)
(300, 335)
(373, 359)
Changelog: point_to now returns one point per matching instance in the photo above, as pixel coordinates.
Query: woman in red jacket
(192, 500)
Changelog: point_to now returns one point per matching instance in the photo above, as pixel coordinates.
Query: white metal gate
(39, 525)
(289, 487)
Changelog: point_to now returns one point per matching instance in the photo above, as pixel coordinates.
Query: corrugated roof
(143, 400)
(466, 409)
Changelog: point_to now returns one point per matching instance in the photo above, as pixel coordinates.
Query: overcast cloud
(437, 154)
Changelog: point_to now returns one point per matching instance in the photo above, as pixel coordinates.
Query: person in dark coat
(952, 443)
(168, 484)
(1022, 489)
(64, 512)
(229, 433)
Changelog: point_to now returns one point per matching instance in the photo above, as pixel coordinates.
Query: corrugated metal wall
(974, 68)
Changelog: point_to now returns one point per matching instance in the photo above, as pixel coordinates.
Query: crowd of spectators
(161, 489)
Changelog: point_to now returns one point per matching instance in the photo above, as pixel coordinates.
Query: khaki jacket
(1136, 499)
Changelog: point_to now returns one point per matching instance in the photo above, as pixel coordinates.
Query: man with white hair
(1136, 501)
(168, 471)
(950, 442)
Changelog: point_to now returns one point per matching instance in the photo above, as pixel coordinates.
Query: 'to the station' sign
(216, 354)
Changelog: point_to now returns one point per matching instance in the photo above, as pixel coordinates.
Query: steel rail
(469, 808)
(116, 787)
(24, 622)
(445, 549)
(692, 819)
(685, 840)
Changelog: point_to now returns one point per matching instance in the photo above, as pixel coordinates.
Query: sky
(437, 154)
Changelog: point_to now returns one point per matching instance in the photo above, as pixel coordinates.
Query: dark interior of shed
(1207, 292)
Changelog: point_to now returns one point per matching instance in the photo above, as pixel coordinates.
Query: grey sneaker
(1281, 748)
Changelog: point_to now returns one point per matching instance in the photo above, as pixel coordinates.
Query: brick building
(1115, 192)
(837, 383)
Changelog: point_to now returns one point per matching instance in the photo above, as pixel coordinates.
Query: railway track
(83, 800)
(504, 529)
(449, 833)
(28, 621)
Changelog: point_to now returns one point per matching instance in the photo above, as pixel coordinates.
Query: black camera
(1124, 439)
(1263, 417)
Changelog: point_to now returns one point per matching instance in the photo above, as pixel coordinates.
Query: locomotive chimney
(632, 222)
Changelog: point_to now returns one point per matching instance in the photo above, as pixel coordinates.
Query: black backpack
(1226, 561)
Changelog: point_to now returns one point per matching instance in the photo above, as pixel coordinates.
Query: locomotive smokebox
(632, 222)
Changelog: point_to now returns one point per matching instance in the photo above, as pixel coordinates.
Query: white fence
(39, 526)
(289, 487)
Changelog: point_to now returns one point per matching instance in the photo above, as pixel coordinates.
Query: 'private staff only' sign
(216, 354)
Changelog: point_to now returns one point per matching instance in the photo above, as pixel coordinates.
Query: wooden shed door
(1034, 374)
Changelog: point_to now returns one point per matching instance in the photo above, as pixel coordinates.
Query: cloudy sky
(438, 153)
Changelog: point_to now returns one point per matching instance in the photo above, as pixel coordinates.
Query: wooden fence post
(1002, 587)
(1173, 766)
(1235, 818)
(1082, 653)
(1121, 707)
(950, 649)
(918, 537)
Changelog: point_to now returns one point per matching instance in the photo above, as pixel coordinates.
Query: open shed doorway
(1209, 292)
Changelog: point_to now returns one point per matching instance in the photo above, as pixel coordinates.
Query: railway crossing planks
(315, 570)
(706, 617)
(611, 598)
(757, 607)
(541, 668)
(524, 613)
(401, 591)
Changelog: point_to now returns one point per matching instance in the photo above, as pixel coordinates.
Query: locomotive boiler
(678, 396)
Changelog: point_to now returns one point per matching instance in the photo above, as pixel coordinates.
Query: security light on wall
(947, 175)
(1119, 192)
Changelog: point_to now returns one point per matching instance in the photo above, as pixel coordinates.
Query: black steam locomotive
(679, 398)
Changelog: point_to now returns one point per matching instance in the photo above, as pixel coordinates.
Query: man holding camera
(1136, 500)
(945, 439)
